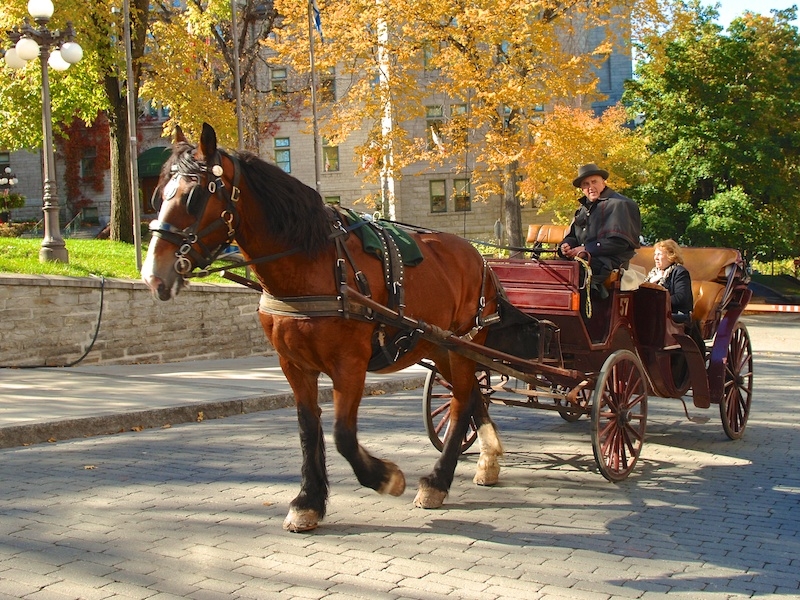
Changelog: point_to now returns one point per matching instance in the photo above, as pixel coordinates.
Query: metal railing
(73, 226)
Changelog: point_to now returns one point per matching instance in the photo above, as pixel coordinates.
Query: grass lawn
(86, 257)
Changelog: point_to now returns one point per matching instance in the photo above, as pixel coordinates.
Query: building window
(327, 85)
(277, 79)
(283, 154)
(5, 160)
(152, 111)
(333, 200)
(88, 161)
(461, 195)
(330, 156)
(429, 53)
(434, 115)
(438, 197)
(458, 118)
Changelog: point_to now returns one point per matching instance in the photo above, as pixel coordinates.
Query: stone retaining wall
(49, 320)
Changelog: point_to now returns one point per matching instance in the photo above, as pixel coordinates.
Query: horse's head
(196, 202)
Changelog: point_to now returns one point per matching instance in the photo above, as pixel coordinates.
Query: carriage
(333, 303)
(605, 364)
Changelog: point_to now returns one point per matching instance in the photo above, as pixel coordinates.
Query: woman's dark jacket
(679, 285)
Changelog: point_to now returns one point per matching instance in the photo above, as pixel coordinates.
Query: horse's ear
(208, 141)
(179, 137)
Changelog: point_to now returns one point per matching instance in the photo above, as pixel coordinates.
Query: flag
(317, 19)
(437, 141)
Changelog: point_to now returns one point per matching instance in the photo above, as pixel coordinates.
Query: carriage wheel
(619, 415)
(436, 397)
(566, 410)
(734, 407)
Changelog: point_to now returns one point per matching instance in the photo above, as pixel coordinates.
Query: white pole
(315, 124)
(387, 168)
(133, 150)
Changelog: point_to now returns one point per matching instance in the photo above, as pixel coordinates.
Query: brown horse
(304, 258)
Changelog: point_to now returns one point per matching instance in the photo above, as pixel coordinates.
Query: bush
(11, 200)
(14, 229)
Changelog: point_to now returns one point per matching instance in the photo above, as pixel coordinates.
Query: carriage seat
(708, 296)
(546, 235)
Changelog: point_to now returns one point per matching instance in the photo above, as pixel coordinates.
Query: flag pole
(315, 125)
(387, 168)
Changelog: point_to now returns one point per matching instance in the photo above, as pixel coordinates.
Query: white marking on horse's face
(162, 279)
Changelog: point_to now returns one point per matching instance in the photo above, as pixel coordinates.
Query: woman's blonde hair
(671, 249)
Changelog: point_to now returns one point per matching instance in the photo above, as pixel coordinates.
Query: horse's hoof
(396, 484)
(301, 520)
(487, 475)
(429, 498)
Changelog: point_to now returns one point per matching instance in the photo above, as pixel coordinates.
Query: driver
(605, 229)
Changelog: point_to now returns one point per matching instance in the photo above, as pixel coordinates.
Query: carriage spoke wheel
(436, 398)
(734, 407)
(619, 415)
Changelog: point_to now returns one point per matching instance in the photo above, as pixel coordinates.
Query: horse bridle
(196, 201)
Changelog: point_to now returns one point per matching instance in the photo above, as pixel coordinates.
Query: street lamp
(7, 179)
(7, 182)
(32, 41)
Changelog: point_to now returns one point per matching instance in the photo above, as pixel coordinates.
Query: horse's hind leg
(308, 508)
(380, 475)
(488, 469)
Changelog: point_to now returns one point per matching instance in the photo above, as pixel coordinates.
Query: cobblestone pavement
(195, 510)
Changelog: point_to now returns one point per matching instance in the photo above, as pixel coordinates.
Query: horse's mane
(294, 213)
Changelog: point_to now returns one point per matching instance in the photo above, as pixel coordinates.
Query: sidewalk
(50, 404)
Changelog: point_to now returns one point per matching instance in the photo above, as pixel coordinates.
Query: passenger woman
(670, 273)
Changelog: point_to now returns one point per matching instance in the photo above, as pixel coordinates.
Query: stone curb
(65, 429)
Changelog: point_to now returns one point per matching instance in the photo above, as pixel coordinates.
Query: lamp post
(58, 50)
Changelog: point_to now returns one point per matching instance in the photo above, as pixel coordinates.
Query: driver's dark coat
(608, 228)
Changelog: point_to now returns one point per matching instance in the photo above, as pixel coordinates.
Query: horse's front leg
(380, 475)
(308, 508)
(465, 404)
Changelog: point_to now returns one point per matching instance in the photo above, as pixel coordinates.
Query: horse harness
(387, 349)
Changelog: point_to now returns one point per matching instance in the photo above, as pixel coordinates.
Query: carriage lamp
(59, 50)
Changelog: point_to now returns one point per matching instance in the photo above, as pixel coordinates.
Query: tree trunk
(121, 229)
(511, 209)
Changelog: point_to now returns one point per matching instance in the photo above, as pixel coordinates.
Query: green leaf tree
(93, 85)
(721, 114)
